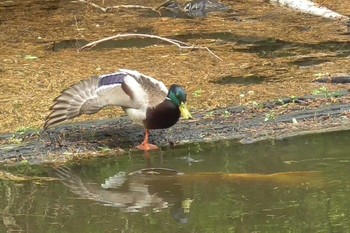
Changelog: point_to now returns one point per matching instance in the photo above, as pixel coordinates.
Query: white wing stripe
(106, 88)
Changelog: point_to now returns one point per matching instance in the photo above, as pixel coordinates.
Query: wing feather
(126, 88)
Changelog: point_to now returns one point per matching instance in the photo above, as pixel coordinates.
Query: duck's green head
(178, 96)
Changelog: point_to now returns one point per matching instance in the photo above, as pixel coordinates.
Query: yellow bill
(184, 111)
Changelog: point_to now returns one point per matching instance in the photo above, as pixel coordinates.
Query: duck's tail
(79, 99)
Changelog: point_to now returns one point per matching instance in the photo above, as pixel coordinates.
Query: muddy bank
(278, 119)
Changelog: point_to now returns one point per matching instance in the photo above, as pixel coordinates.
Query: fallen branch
(309, 7)
(105, 9)
(179, 44)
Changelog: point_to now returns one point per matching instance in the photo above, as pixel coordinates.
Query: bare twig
(130, 6)
(105, 9)
(164, 4)
(93, 5)
(179, 44)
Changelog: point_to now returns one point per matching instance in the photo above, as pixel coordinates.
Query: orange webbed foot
(147, 147)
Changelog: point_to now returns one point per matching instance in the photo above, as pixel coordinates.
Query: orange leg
(145, 145)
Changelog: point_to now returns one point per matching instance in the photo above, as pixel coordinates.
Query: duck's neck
(162, 116)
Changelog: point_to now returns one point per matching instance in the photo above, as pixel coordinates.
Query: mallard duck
(145, 100)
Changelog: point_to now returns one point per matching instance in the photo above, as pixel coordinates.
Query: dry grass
(29, 86)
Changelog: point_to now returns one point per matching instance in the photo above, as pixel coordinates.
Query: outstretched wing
(127, 88)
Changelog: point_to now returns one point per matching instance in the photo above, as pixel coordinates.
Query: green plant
(27, 130)
(323, 91)
(197, 93)
(281, 101)
(270, 116)
(257, 105)
(104, 149)
(293, 98)
(21, 132)
(209, 114)
(226, 113)
(15, 140)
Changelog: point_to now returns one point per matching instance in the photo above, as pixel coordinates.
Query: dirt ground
(251, 41)
(268, 52)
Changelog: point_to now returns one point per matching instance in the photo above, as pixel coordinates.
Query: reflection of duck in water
(192, 9)
(155, 189)
(140, 191)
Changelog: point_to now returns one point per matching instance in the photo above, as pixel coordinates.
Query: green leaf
(30, 57)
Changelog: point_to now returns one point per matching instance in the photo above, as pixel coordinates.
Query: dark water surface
(222, 187)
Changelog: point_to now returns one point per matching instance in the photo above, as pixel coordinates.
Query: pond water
(220, 187)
